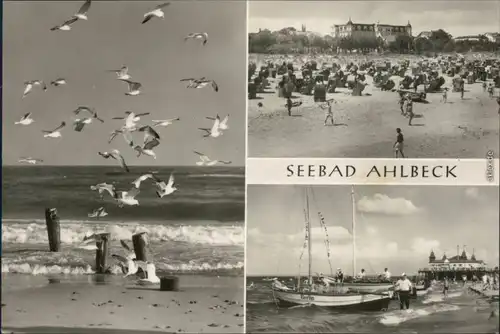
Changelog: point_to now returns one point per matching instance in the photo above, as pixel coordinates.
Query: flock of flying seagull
(86, 115)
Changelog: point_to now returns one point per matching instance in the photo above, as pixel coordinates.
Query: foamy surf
(73, 233)
(397, 317)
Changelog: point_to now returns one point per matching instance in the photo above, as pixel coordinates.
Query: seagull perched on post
(215, 130)
(56, 133)
(28, 86)
(164, 122)
(91, 111)
(122, 74)
(205, 160)
(58, 82)
(80, 15)
(198, 35)
(156, 12)
(29, 160)
(222, 124)
(201, 83)
(115, 154)
(25, 120)
(134, 88)
(164, 189)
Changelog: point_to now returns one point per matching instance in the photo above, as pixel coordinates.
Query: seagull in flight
(164, 122)
(198, 35)
(25, 120)
(205, 160)
(134, 88)
(58, 82)
(56, 133)
(215, 130)
(201, 83)
(28, 86)
(156, 12)
(164, 189)
(29, 160)
(127, 135)
(79, 124)
(98, 213)
(115, 154)
(147, 148)
(102, 187)
(80, 15)
(131, 119)
(91, 111)
(127, 197)
(122, 74)
(129, 262)
(142, 178)
(223, 124)
(149, 132)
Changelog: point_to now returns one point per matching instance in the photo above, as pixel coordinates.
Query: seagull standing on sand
(91, 111)
(156, 12)
(122, 74)
(115, 154)
(134, 88)
(164, 189)
(98, 213)
(151, 277)
(28, 86)
(102, 187)
(29, 160)
(147, 148)
(80, 15)
(25, 120)
(56, 133)
(205, 160)
(165, 122)
(127, 197)
(198, 35)
(223, 124)
(215, 130)
(201, 83)
(58, 82)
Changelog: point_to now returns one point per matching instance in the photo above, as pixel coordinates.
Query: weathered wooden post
(140, 242)
(53, 229)
(101, 253)
(169, 283)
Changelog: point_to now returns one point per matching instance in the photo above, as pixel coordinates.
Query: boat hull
(360, 302)
(369, 287)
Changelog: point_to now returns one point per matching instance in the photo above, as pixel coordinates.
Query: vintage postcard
(123, 166)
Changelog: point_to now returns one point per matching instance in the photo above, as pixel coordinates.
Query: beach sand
(366, 125)
(111, 304)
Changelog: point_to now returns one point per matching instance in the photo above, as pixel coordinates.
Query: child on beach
(446, 286)
(445, 95)
(490, 90)
(484, 87)
(289, 105)
(328, 113)
(402, 104)
(409, 110)
(398, 145)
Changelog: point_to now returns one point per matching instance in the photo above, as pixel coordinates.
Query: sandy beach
(204, 304)
(365, 126)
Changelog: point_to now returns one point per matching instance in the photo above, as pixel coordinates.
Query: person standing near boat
(403, 287)
(362, 274)
(387, 274)
(446, 286)
(340, 276)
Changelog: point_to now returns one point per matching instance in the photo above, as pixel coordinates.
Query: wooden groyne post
(53, 229)
(101, 253)
(169, 283)
(140, 242)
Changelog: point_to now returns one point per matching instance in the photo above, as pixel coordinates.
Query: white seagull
(56, 133)
(129, 261)
(29, 160)
(156, 12)
(147, 148)
(134, 88)
(28, 86)
(205, 160)
(26, 119)
(115, 154)
(78, 123)
(80, 15)
(98, 213)
(137, 182)
(223, 124)
(201, 83)
(215, 130)
(58, 82)
(91, 111)
(102, 187)
(127, 135)
(165, 122)
(151, 277)
(122, 74)
(127, 197)
(164, 189)
(198, 35)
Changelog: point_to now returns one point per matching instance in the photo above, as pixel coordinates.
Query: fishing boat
(333, 295)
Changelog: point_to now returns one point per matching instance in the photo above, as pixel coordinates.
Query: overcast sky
(157, 57)
(396, 227)
(456, 17)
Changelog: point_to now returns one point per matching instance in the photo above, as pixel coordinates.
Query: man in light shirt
(403, 287)
(387, 274)
(361, 274)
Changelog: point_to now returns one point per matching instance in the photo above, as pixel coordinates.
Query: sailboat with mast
(334, 295)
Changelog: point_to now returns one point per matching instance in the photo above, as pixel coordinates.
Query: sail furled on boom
(306, 238)
(327, 239)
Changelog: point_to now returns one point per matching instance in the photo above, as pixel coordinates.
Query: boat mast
(353, 233)
(309, 238)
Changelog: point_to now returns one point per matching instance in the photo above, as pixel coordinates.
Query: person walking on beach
(498, 102)
(403, 287)
(289, 105)
(462, 90)
(445, 95)
(328, 113)
(484, 87)
(398, 145)
(446, 286)
(490, 90)
(402, 104)
(409, 110)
